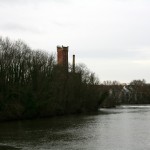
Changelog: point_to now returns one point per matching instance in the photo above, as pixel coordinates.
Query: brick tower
(62, 57)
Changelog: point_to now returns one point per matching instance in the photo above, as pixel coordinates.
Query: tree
(33, 85)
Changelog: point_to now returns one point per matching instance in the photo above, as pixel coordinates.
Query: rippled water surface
(122, 128)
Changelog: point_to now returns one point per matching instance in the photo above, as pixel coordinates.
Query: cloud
(62, 24)
(141, 62)
(19, 27)
(31, 1)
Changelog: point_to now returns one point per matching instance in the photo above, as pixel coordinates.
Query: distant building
(62, 61)
(62, 57)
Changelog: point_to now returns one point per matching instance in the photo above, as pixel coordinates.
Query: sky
(111, 37)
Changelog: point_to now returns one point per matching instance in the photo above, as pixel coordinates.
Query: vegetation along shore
(33, 85)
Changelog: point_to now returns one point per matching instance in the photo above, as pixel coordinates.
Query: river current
(121, 128)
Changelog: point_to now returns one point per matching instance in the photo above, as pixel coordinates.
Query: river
(121, 128)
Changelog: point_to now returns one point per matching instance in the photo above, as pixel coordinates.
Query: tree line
(33, 85)
(136, 92)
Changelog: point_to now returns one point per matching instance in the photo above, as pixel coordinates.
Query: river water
(122, 128)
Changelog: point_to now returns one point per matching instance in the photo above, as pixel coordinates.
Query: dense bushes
(32, 85)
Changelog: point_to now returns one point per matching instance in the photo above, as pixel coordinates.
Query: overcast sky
(112, 37)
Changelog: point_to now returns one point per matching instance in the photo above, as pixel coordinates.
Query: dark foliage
(138, 93)
(32, 85)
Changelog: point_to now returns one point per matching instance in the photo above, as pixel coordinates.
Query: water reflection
(5, 147)
(122, 128)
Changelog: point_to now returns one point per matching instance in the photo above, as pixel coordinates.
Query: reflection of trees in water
(4, 147)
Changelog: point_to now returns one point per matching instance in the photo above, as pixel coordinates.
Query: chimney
(73, 64)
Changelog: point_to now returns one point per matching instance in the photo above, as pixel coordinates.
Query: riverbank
(34, 85)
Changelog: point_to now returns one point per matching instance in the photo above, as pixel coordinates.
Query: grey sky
(112, 37)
